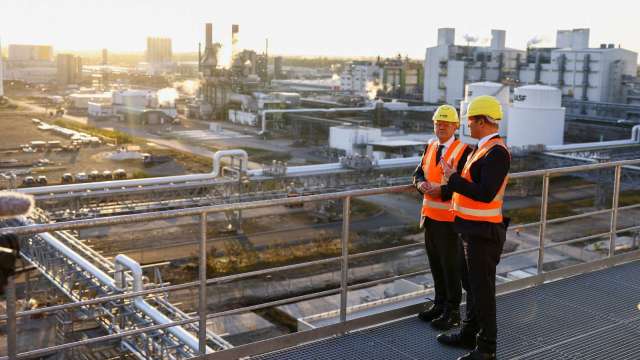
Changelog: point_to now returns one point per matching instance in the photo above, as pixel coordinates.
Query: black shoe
(431, 312)
(448, 320)
(462, 339)
(477, 355)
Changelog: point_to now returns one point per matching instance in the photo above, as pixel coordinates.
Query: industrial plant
(261, 206)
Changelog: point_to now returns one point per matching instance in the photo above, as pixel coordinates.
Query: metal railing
(344, 324)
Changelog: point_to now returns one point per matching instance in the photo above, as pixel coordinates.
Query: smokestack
(208, 35)
(235, 29)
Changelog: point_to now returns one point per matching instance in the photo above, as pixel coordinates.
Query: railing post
(544, 204)
(614, 210)
(12, 347)
(202, 290)
(344, 268)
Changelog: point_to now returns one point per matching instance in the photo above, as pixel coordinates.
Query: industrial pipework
(263, 113)
(122, 263)
(215, 172)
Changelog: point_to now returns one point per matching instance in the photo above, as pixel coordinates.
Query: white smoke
(470, 38)
(534, 41)
(167, 97)
(372, 89)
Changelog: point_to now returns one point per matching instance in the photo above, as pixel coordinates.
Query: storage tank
(537, 96)
(501, 92)
(473, 90)
(536, 117)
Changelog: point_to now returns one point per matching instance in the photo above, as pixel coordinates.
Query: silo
(473, 90)
(536, 117)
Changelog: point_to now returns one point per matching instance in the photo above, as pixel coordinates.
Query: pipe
(217, 157)
(263, 113)
(634, 139)
(635, 133)
(102, 185)
(123, 262)
(76, 258)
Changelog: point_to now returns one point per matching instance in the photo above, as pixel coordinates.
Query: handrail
(138, 293)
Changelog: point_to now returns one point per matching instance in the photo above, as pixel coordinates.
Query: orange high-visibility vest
(434, 207)
(469, 209)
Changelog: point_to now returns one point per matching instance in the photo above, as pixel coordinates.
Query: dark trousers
(482, 254)
(444, 251)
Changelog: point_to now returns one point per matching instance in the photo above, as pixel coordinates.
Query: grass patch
(629, 197)
(266, 156)
(115, 136)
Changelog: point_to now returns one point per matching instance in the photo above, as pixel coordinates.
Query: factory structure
(602, 74)
(535, 116)
(393, 77)
(159, 54)
(143, 106)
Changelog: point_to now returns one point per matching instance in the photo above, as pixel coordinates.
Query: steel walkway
(589, 316)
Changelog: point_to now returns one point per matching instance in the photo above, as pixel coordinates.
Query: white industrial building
(535, 117)
(27, 53)
(584, 73)
(80, 101)
(449, 67)
(359, 77)
(376, 143)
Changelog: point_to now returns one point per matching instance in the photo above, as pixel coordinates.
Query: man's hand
(424, 187)
(447, 170)
(434, 191)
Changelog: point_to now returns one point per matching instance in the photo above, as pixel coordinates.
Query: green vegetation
(266, 156)
(112, 135)
(238, 259)
(140, 174)
(630, 197)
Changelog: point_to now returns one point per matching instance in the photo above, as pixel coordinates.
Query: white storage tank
(501, 92)
(537, 96)
(536, 117)
(473, 90)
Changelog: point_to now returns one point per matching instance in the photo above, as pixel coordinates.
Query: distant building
(159, 51)
(361, 78)
(401, 78)
(19, 53)
(30, 63)
(583, 73)
(277, 68)
(105, 57)
(69, 69)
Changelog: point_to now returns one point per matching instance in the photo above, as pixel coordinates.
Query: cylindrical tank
(473, 90)
(536, 117)
(537, 96)
(498, 90)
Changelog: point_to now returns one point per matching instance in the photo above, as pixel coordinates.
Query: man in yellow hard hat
(477, 204)
(444, 248)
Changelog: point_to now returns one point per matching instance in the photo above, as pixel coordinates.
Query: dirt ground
(17, 128)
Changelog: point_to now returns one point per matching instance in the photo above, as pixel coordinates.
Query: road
(140, 133)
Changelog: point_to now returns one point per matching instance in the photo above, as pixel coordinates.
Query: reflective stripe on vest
(434, 207)
(469, 209)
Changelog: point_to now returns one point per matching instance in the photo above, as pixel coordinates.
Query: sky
(302, 27)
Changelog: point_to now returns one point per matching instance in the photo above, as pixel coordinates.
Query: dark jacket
(487, 174)
(445, 192)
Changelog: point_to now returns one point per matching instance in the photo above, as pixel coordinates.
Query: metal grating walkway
(589, 316)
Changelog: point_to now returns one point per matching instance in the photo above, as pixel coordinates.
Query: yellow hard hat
(446, 113)
(485, 105)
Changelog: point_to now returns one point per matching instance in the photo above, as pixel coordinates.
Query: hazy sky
(325, 27)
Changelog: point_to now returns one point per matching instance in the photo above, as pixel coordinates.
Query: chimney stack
(208, 35)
